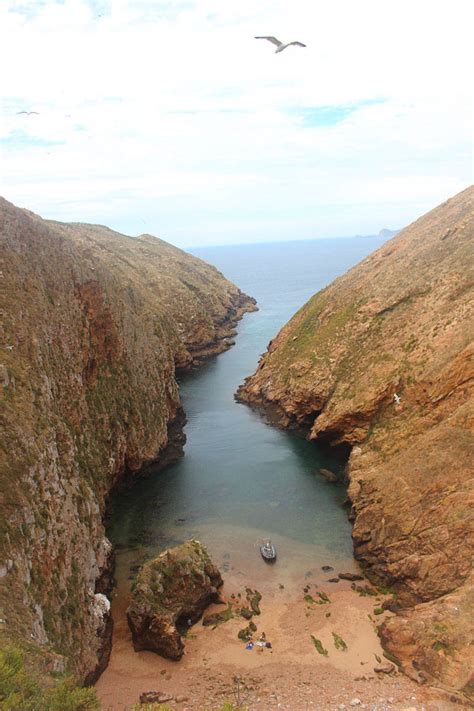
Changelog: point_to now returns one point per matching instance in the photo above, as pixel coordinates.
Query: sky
(169, 118)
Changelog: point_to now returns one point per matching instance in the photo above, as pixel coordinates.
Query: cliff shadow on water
(241, 480)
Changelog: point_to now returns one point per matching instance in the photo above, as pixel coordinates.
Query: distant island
(385, 233)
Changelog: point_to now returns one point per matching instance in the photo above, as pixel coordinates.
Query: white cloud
(171, 114)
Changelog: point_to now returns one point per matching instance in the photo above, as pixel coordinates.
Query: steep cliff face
(398, 324)
(94, 324)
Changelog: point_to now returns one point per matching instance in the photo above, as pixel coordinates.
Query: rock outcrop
(94, 326)
(381, 363)
(434, 639)
(170, 594)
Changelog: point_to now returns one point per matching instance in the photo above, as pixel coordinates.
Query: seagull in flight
(28, 113)
(281, 45)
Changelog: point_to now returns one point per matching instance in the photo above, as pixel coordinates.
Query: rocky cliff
(381, 362)
(169, 594)
(94, 325)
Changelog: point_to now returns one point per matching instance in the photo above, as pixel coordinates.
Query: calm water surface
(241, 480)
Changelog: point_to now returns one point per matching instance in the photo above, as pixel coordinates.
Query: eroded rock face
(170, 593)
(434, 640)
(382, 362)
(94, 325)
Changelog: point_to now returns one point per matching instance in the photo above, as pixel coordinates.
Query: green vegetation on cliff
(23, 688)
(94, 326)
(382, 361)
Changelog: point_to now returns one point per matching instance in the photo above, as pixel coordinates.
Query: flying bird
(281, 45)
(27, 113)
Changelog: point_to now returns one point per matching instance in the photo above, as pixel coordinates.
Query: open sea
(241, 480)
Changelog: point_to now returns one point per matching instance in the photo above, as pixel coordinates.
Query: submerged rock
(328, 475)
(170, 594)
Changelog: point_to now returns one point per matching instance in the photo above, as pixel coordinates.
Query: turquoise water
(240, 479)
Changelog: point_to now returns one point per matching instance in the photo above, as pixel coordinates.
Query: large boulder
(170, 593)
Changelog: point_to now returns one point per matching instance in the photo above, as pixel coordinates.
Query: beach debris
(261, 644)
(327, 568)
(319, 646)
(333, 580)
(155, 697)
(339, 642)
(356, 702)
(385, 668)
(379, 611)
(350, 576)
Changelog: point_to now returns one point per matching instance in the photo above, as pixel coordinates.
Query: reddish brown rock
(434, 641)
(382, 363)
(155, 697)
(169, 595)
(94, 325)
(328, 475)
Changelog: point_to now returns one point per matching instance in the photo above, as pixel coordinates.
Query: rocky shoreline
(381, 363)
(294, 642)
(225, 332)
(96, 325)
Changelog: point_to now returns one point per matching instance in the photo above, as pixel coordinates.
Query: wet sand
(290, 675)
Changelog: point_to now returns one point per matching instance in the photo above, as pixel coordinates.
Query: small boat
(268, 551)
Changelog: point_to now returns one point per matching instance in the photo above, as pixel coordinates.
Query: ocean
(241, 480)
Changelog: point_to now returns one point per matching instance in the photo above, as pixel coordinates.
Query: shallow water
(241, 480)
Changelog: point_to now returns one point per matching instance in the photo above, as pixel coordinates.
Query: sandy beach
(291, 674)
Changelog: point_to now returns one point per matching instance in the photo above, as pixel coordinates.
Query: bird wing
(21, 112)
(300, 44)
(273, 40)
